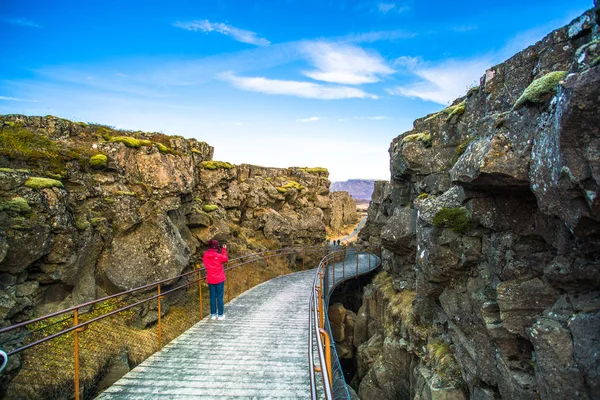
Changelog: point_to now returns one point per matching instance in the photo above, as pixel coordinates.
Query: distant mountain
(359, 189)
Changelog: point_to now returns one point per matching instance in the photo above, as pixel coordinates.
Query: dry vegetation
(49, 368)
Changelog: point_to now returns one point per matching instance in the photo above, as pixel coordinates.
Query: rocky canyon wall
(86, 210)
(490, 230)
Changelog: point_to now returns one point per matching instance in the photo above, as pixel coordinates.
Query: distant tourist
(338, 242)
(215, 277)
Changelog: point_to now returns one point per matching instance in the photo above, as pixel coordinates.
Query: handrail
(150, 285)
(318, 304)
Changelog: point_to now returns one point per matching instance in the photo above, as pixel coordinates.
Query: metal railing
(347, 264)
(87, 326)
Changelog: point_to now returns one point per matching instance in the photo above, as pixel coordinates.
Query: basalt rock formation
(86, 210)
(490, 230)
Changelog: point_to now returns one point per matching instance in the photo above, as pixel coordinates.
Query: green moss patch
(457, 219)
(209, 208)
(124, 193)
(164, 149)
(539, 88)
(315, 170)
(42, 183)
(423, 196)
(460, 149)
(214, 165)
(16, 204)
(458, 109)
(130, 141)
(99, 161)
(423, 137)
(290, 185)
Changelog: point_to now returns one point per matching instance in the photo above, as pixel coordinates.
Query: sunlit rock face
(490, 235)
(87, 210)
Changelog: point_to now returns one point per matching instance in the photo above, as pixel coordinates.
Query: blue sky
(276, 83)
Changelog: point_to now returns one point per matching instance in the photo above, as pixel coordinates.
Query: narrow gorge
(490, 235)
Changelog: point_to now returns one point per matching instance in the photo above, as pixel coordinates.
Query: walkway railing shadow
(336, 267)
(79, 351)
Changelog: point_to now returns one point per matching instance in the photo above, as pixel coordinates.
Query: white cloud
(237, 123)
(407, 62)
(445, 81)
(295, 88)
(21, 22)
(4, 98)
(343, 63)
(386, 7)
(241, 35)
(311, 119)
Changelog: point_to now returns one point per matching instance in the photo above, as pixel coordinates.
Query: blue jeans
(216, 297)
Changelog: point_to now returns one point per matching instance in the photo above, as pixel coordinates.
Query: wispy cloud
(21, 22)
(386, 7)
(383, 7)
(375, 36)
(443, 82)
(343, 63)
(241, 35)
(465, 28)
(295, 88)
(311, 119)
(237, 123)
(4, 98)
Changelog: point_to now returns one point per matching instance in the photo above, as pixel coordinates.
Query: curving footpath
(258, 352)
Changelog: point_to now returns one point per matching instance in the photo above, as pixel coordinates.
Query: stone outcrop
(343, 211)
(490, 240)
(87, 210)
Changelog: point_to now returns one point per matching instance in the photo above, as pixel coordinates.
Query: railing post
(226, 287)
(159, 319)
(76, 345)
(327, 345)
(200, 291)
(320, 293)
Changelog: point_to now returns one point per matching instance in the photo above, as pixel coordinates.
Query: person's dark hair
(213, 244)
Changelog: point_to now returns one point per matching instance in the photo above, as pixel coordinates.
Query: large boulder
(153, 251)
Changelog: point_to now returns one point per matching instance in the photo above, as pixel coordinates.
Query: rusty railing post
(327, 345)
(159, 319)
(200, 291)
(320, 293)
(76, 345)
(226, 287)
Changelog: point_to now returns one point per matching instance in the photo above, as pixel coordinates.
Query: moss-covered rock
(99, 161)
(209, 208)
(36, 182)
(315, 170)
(16, 204)
(214, 165)
(458, 109)
(460, 149)
(130, 141)
(290, 185)
(423, 137)
(457, 219)
(539, 88)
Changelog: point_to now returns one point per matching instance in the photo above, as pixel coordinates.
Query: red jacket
(213, 261)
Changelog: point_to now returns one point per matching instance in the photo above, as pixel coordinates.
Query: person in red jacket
(215, 277)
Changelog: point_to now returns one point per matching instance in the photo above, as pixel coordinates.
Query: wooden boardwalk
(258, 352)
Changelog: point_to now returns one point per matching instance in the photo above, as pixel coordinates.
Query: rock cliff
(490, 230)
(87, 210)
